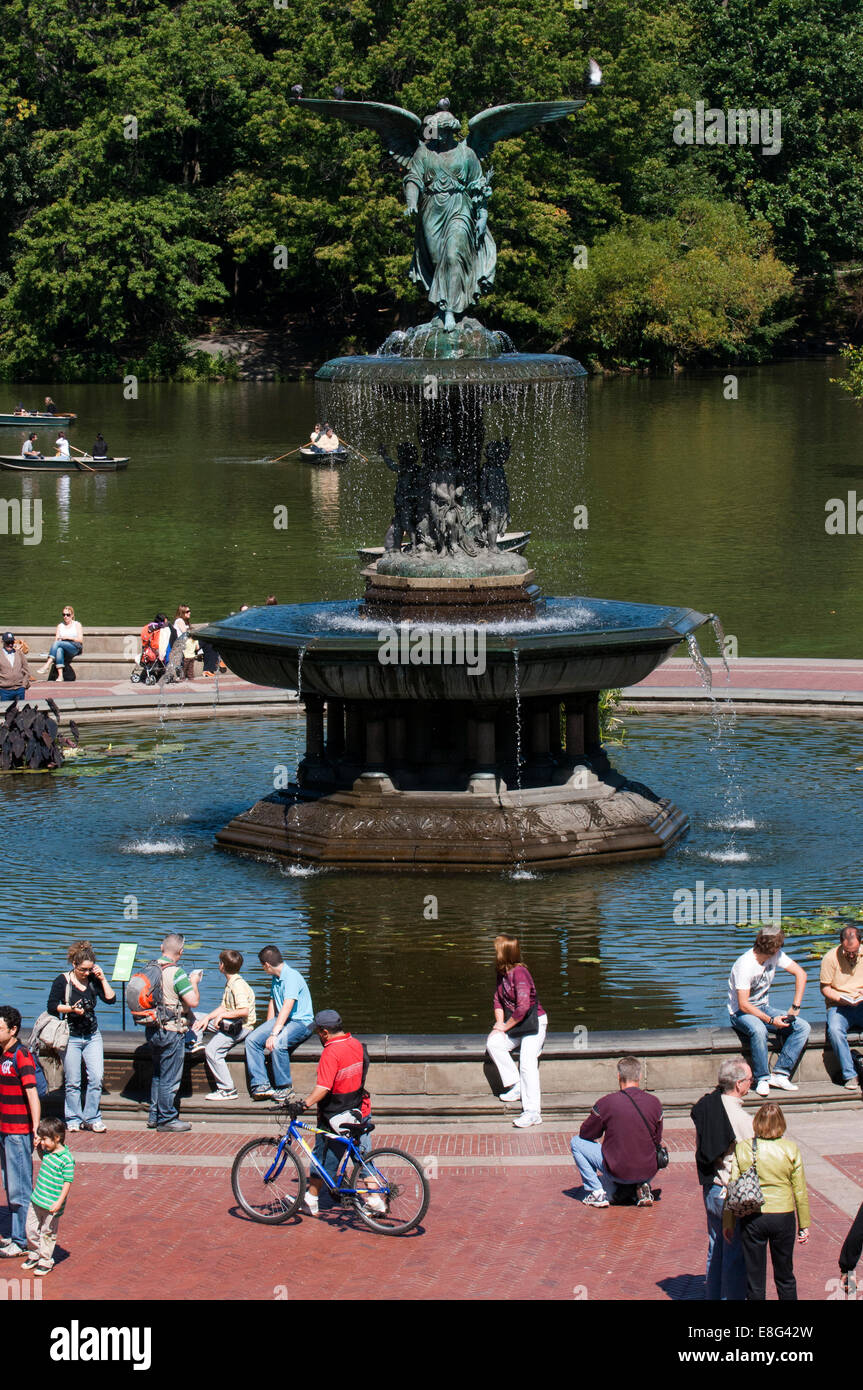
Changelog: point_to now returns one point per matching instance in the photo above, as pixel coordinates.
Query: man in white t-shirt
(751, 1015)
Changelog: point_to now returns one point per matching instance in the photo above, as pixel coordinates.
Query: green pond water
(692, 499)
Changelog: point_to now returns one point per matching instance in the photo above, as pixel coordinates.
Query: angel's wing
(499, 122)
(400, 130)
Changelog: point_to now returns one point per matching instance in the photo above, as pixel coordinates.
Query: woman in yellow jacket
(785, 1211)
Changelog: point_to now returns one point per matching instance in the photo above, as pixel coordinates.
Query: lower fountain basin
(570, 645)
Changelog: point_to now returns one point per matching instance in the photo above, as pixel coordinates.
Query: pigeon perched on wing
(339, 92)
(296, 91)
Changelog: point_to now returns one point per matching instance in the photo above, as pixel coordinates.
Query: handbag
(231, 1027)
(659, 1149)
(526, 1026)
(51, 1032)
(743, 1196)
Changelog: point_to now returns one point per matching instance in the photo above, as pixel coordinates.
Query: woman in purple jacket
(518, 1018)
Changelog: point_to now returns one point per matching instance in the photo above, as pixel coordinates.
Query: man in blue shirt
(290, 1019)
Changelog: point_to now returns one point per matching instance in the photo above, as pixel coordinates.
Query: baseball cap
(8, 636)
(328, 1018)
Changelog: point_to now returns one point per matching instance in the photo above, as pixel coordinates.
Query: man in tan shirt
(842, 987)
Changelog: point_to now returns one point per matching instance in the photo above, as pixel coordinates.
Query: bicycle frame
(351, 1151)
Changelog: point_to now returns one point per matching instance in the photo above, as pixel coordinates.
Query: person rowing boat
(100, 448)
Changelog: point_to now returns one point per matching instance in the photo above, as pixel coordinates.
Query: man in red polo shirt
(20, 1113)
(339, 1086)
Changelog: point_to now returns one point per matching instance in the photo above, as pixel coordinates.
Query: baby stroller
(152, 664)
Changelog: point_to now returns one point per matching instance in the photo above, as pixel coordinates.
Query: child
(51, 1189)
(191, 653)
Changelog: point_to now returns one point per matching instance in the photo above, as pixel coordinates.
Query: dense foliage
(152, 163)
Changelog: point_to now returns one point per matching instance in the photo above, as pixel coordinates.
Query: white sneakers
(310, 1204)
(528, 1118)
(777, 1079)
(514, 1093)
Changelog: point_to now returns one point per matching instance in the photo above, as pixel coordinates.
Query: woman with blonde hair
(67, 645)
(518, 1018)
(73, 997)
(784, 1212)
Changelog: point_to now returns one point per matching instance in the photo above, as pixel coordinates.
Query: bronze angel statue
(445, 186)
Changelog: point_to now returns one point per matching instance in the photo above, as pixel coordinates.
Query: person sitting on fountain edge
(290, 1019)
(14, 671)
(842, 986)
(751, 1015)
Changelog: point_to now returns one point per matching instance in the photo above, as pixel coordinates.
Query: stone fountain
(452, 713)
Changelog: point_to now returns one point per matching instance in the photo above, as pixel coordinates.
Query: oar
(354, 448)
(79, 463)
(287, 455)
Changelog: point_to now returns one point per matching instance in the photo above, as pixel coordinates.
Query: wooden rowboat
(36, 420)
(14, 463)
(312, 456)
(512, 540)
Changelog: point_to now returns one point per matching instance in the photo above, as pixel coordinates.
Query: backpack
(145, 996)
(41, 1079)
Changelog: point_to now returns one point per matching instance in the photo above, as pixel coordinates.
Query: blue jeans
(329, 1153)
(726, 1271)
(841, 1017)
(169, 1054)
(16, 1159)
(291, 1035)
(65, 651)
(754, 1032)
(589, 1162)
(91, 1052)
(8, 695)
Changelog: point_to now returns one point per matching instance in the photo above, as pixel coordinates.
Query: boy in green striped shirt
(50, 1191)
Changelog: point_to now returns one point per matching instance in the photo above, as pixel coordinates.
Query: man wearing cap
(339, 1086)
(14, 671)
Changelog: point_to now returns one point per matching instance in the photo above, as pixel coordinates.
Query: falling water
(719, 634)
(518, 870)
(722, 745)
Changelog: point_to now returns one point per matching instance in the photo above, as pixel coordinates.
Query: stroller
(154, 661)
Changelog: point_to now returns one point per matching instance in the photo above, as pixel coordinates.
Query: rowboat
(512, 540)
(312, 456)
(37, 419)
(14, 463)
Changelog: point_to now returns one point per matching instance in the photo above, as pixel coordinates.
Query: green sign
(125, 962)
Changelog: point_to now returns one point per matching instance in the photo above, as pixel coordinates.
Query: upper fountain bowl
(569, 645)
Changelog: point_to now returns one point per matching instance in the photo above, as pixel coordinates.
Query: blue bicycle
(387, 1188)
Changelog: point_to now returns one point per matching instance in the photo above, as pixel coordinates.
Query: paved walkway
(505, 1222)
(784, 685)
(121, 701)
(781, 685)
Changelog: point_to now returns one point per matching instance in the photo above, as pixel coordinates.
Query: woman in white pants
(519, 1018)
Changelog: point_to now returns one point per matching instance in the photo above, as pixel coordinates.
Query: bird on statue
(339, 92)
(297, 91)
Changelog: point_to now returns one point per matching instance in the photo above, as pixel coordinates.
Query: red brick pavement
(492, 1231)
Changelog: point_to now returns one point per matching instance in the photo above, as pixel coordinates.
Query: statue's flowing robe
(449, 261)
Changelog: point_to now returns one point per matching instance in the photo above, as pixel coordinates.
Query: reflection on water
(602, 943)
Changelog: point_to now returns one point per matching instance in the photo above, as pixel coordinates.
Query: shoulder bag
(660, 1149)
(49, 1031)
(744, 1196)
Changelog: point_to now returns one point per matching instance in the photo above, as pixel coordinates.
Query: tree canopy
(152, 164)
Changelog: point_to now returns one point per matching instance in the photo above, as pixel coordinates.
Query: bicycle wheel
(392, 1181)
(272, 1201)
